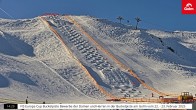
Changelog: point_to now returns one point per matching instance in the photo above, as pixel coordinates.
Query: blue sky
(155, 14)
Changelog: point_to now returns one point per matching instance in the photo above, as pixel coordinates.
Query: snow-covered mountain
(73, 68)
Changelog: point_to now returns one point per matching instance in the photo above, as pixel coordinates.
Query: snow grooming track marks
(82, 67)
(94, 58)
(110, 77)
(108, 73)
(115, 59)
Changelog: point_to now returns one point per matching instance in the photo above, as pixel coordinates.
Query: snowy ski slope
(34, 62)
(149, 53)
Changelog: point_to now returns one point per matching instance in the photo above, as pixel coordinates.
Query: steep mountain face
(34, 61)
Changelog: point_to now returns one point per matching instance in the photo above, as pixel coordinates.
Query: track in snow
(117, 61)
(76, 75)
(98, 66)
(108, 76)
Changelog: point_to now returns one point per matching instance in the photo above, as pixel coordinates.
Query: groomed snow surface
(35, 63)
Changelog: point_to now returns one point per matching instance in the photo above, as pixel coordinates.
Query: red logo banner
(188, 6)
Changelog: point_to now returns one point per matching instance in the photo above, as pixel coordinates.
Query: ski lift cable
(6, 13)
